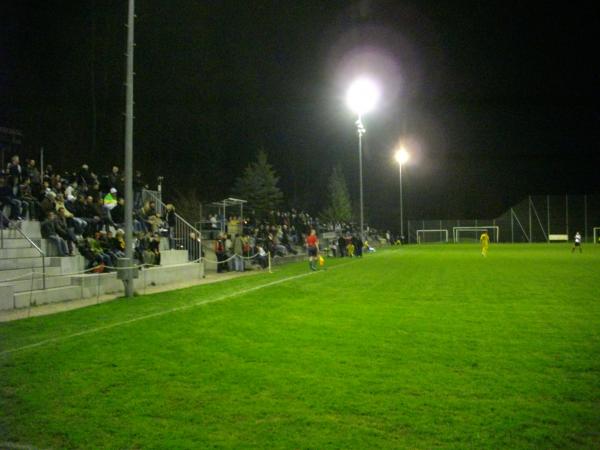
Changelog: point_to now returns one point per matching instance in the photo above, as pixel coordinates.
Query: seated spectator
(64, 231)
(49, 232)
(47, 204)
(117, 244)
(77, 224)
(110, 199)
(28, 197)
(104, 214)
(261, 257)
(150, 217)
(92, 251)
(118, 213)
(33, 173)
(154, 247)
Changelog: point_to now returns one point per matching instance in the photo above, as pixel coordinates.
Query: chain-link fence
(535, 219)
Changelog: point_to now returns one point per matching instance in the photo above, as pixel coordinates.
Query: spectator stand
(222, 208)
(183, 235)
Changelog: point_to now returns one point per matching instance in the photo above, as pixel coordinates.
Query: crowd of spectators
(82, 209)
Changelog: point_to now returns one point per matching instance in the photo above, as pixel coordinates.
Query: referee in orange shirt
(312, 244)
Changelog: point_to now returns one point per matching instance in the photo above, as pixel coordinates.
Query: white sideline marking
(14, 445)
(157, 314)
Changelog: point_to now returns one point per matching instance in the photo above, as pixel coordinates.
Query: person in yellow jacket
(485, 243)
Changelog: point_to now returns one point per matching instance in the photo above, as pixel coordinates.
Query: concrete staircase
(22, 282)
(22, 267)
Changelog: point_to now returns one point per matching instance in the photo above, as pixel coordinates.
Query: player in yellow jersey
(485, 243)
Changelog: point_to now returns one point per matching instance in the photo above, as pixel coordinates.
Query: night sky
(495, 100)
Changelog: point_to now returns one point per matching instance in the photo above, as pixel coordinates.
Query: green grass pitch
(418, 347)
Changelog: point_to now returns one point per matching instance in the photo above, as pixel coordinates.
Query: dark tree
(258, 186)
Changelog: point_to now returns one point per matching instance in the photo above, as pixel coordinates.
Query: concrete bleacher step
(37, 283)
(29, 227)
(41, 297)
(19, 274)
(23, 252)
(20, 263)
(19, 242)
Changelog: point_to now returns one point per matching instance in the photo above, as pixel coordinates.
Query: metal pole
(567, 212)
(360, 176)
(401, 206)
(128, 280)
(585, 218)
(530, 236)
(42, 166)
(512, 226)
(548, 214)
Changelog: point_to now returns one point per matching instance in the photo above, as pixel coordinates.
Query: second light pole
(402, 157)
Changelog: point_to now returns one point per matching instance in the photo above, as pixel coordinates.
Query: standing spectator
(138, 186)
(170, 220)
(342, 246)
(238, 250)
(49, 232)
(16, 174)
(358, 246)
(115, 179)
(7, 197)
(220, 253)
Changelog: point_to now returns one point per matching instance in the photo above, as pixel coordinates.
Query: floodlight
(402, 156)
(362, 96)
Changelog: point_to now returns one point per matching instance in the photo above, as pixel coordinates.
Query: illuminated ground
(421, 347)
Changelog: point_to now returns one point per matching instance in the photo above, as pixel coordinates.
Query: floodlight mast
(402, 158)
(361, 98)
(127, 277)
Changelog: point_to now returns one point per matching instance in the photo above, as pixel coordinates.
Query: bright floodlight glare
(362, 96)
(402, 156)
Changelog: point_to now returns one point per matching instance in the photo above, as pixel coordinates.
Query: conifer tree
(258, 185)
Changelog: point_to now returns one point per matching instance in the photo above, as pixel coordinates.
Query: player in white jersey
(577, 242)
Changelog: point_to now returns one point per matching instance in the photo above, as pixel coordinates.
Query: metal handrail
(183, 230)
(28, 239)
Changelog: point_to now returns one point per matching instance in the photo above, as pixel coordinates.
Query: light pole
(402, 157)
(362, 96)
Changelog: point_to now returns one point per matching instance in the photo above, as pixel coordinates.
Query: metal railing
(16, 226)
(182, 236)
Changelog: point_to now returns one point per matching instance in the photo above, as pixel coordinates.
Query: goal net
(472, 234)
(432, 236)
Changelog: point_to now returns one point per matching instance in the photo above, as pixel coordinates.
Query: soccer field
(416, 347)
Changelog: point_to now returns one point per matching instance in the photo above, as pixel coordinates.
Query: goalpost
(474, 232)
(442, 234)
(596, 234)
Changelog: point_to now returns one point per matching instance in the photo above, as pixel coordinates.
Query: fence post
(548, 214)
(530, 235)
(567, 212)
(585, 218)
(512, 226)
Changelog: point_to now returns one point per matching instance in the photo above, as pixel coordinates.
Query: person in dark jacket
(342, 246)
(170, 220)
(49, 232)
(64, 231)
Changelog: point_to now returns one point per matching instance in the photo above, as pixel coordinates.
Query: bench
(558, 237)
